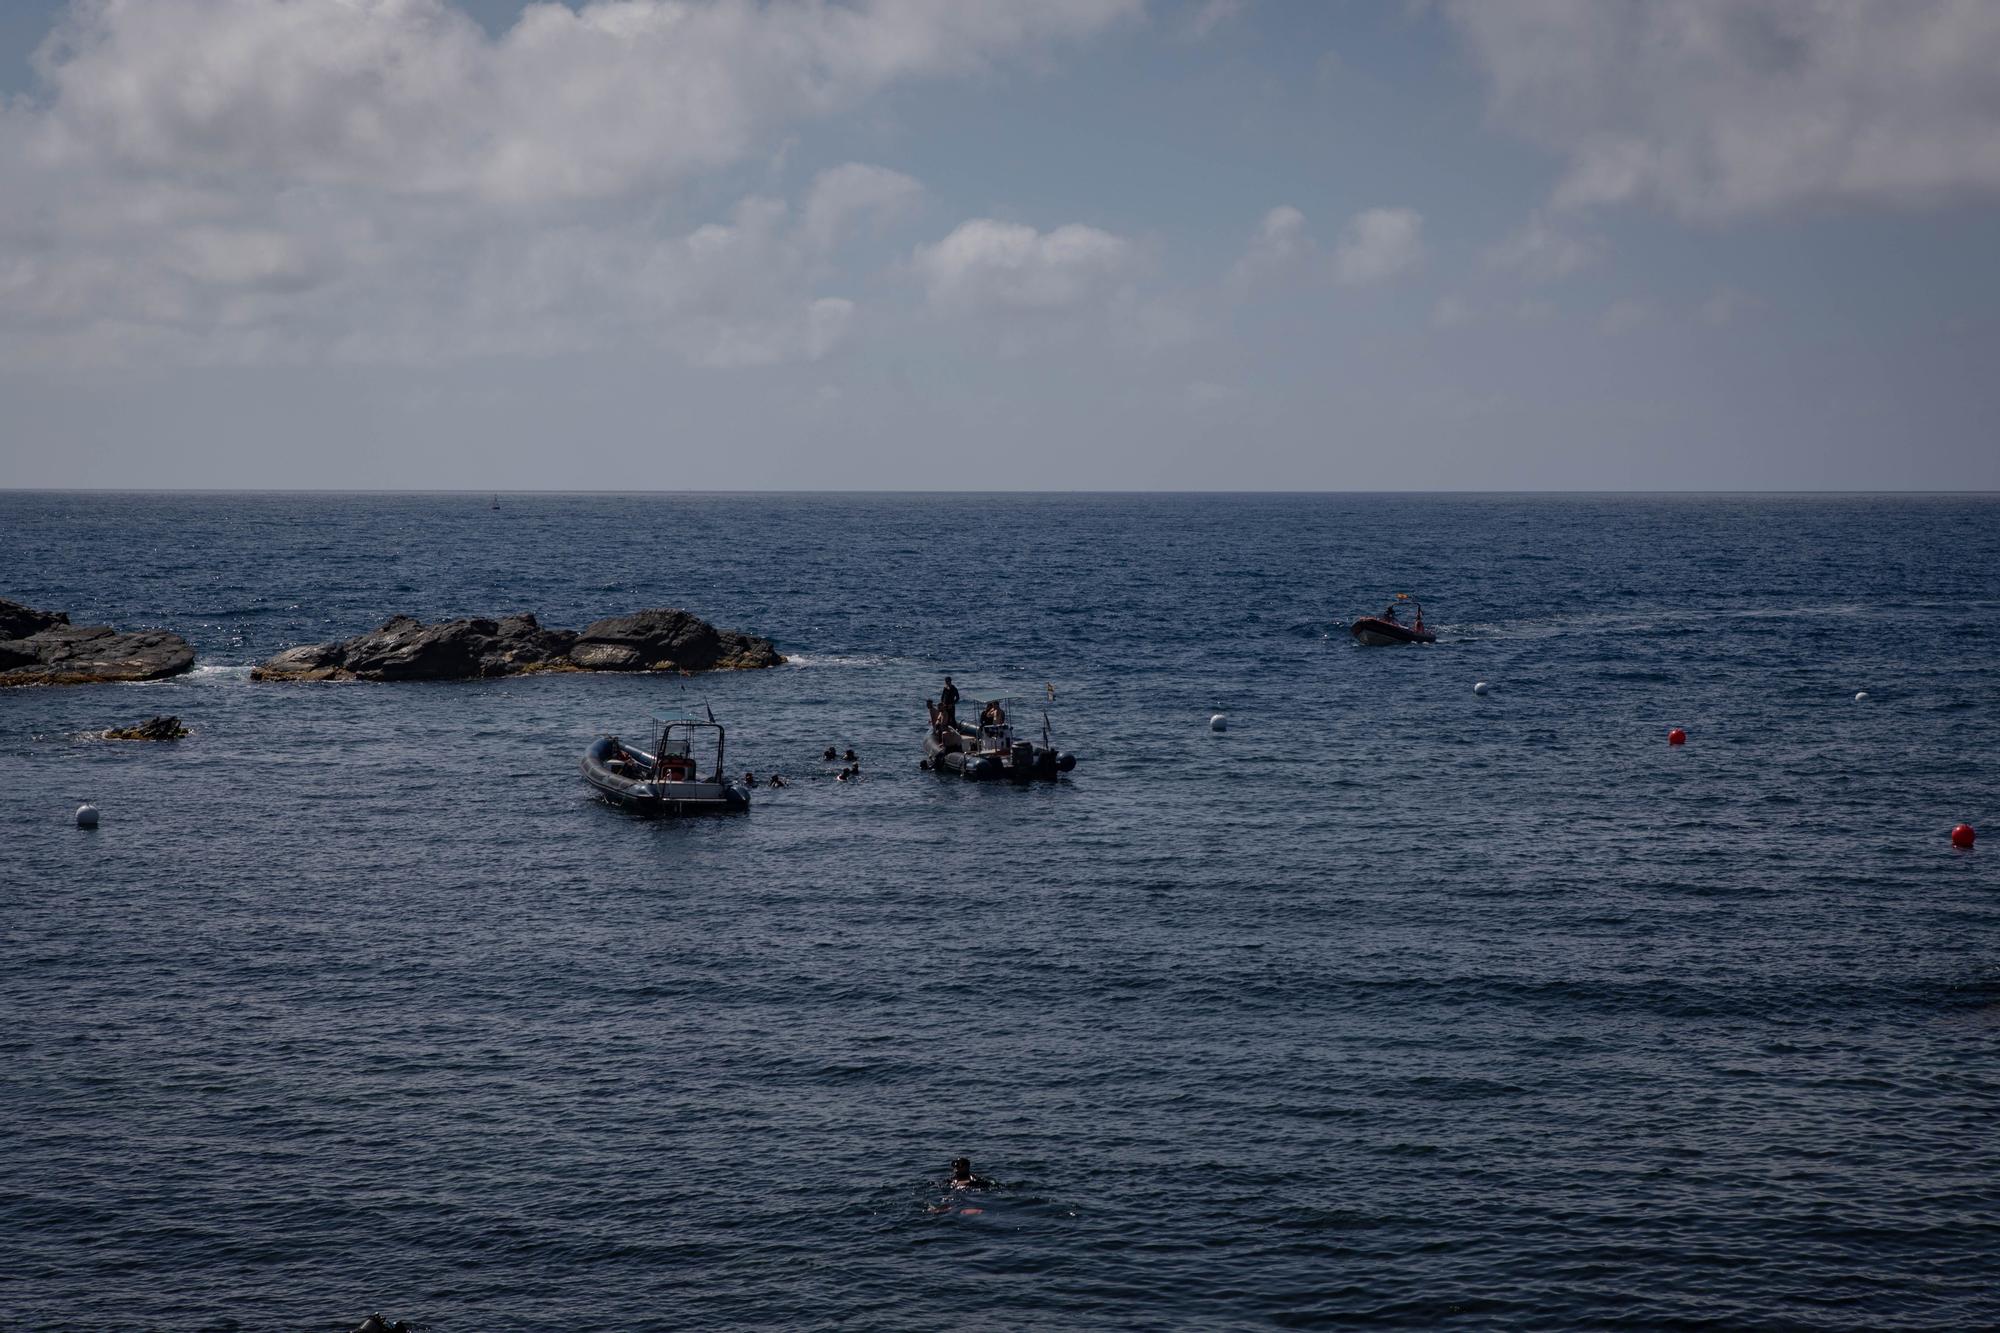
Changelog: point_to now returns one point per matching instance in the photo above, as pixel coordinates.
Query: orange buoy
(1963, 836)
(1677, 737)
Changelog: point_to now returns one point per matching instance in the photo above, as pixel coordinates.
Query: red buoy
(1677, 737)
(1963, 836)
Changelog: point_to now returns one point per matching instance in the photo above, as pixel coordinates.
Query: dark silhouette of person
(948, 702)
(829, 755)
(852, 757)
(962, 1177)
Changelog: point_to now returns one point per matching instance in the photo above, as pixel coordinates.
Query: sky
(1045, 244)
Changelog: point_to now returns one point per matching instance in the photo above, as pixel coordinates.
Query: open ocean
(1391, 1004)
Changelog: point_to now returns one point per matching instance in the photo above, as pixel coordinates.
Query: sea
(1389, 1003)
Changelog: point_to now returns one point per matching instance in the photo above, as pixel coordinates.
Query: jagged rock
(157, 728)
(668, 640)
(43, 648)
(407, 649)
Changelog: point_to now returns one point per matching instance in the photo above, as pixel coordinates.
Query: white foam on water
(804, 660)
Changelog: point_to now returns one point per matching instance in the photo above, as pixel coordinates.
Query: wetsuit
(948, 704)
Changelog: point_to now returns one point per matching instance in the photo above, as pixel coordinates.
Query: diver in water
(829, 756)
(962, 1177)
(749, 778)
(852, 757)
(777, 780)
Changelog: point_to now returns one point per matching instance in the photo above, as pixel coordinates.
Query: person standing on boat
(1389, 614)
(948, 702)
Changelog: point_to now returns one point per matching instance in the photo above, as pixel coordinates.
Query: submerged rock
(407, 649)
(43, 648)
(160, 727)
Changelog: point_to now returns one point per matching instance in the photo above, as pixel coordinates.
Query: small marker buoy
(1964, 836)
(1218, 723)
(1861, 697)
(1677, 737)
(1479, 687)
(86, 815)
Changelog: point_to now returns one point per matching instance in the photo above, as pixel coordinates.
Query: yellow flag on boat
(1402, 597)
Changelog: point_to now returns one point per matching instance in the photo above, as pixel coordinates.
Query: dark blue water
(1390, 1004)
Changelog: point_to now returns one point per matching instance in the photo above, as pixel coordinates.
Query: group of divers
(669, 780)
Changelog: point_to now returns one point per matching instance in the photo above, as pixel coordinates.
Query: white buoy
(86, 815)
(1862, 697)
(1218, 723)
(1479, 687)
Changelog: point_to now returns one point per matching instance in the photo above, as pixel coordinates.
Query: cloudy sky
(1045, 244)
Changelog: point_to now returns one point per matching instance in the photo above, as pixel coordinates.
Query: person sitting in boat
(619, 760)
(1389, 614)
(993, 715)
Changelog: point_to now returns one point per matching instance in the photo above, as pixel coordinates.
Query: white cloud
(1280, 245)
(1542, 252)
(1623, 316)
(1452, 312)
(245, 180)
(1378, 245)
(1717, 109)
(411, 96)
(1204, 18)
(854, 190)
(1725, 305)
(987, 264)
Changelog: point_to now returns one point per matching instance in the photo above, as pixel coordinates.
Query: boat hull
(646, 797)
(1374, 632)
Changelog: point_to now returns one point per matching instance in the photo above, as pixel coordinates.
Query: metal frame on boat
(667, 781)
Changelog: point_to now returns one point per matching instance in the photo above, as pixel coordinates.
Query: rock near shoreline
(43, 648)
(160, 727)
(407, 649)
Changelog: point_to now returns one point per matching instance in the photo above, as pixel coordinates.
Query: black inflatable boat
(991, 751)
(667, 781)
(1386, 631)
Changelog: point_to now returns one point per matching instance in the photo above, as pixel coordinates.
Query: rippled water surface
(1389, 1004)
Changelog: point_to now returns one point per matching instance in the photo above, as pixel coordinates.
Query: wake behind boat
(1388, 631)
(990, 750)
(668, 780)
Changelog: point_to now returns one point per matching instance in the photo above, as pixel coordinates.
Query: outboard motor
(1065, 761)
(1023, 755)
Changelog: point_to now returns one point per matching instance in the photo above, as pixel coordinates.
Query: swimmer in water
(777, 780)
(829, 756)
(852, 757)
(962, 1177)
(749, 778)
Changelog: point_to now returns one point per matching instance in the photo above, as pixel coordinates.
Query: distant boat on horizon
(496, 502)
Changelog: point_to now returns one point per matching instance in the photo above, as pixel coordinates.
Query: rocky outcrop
(408, 649)
(157, 728)
(43, 648)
